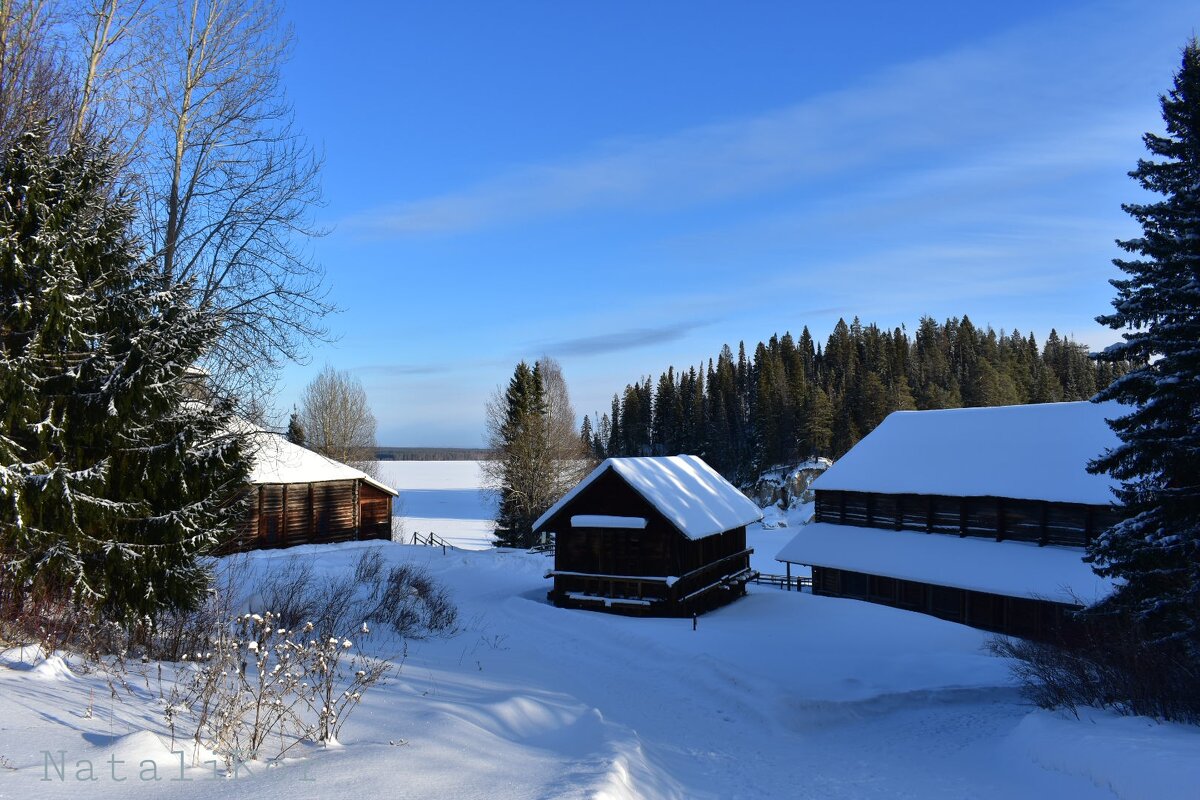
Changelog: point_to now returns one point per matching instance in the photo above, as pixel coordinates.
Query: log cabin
(298, 496)
(653, 536)
(976, 515)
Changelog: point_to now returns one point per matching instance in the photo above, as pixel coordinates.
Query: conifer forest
(792, 398)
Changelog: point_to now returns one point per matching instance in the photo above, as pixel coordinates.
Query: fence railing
(793, 583)
(431, 539)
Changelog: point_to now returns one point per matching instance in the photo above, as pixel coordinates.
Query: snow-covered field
(779, 695)
(442, 497)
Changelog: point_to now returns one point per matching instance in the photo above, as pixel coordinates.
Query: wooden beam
(258, 534)
(312, 513)
(357, 514)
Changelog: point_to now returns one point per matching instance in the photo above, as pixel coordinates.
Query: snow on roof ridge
(1032, 452)
(274, 459)
(688, 492)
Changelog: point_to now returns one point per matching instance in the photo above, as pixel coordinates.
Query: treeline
(433, 454)
(794, 398)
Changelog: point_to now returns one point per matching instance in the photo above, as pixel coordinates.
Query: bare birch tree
(229, 185)
(189, 96)
(337, 419)
(34, 84)
(115, 49)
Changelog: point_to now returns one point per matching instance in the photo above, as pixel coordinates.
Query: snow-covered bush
(260, 686)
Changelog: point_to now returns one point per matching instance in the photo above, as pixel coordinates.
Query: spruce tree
(1155, 552)
(112, 480)
(520, 457)
(295, 430)
(585, 432)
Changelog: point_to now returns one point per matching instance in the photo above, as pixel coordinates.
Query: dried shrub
(260, 685)
(413, 604)
(1106, 662)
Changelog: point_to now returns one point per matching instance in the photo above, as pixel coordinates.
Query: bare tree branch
(337, 419)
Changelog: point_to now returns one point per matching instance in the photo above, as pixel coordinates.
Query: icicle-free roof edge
(688, 493)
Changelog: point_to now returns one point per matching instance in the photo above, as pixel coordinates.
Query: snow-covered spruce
(111, 480)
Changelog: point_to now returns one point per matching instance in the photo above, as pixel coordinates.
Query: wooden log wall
(374, 513)
(283, 515)
(1011, 616)
(999, 518)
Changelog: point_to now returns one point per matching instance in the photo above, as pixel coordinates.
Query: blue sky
(629, 185)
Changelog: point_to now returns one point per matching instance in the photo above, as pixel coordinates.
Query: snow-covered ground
(779, 695)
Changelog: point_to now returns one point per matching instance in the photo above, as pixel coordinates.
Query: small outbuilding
(654, 536)
(298, 496)
(975, 515)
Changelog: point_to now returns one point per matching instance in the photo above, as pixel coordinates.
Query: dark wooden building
(661, 536)
(298, 496)
(978, 515)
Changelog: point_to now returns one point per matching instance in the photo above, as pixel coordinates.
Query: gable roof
(689, 493)
(1029, 452)
(276, 460)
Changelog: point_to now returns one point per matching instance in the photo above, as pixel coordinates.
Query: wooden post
(312, 513)
(899, 511)
(929, 514)
(258, 534)
(357, 516)
(1000, 521)
(788, 564)
(962, 517)
(1045, 533)
(283, 517)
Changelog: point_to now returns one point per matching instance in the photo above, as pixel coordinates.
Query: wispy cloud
(972, 98)
(403, 370)
(628, 339)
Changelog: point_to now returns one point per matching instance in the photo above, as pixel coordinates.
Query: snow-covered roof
(276, 460)
(1016, 569)
(1031, 452)
(688, 492)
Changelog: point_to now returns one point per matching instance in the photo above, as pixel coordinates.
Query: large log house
(976, 515)
(298, 496)
(662, 536)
